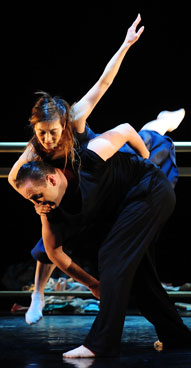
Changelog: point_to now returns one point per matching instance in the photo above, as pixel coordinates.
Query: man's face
(47, 193)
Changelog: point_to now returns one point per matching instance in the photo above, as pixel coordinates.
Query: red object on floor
(18, 308)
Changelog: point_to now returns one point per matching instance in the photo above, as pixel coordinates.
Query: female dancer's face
(49, 133)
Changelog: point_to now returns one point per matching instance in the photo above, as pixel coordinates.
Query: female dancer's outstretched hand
(132, 33)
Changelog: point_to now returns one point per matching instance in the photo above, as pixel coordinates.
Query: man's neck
(63, 185)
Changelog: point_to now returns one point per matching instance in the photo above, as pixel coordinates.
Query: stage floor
(42, 345)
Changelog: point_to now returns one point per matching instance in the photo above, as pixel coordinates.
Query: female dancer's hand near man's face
(42, 208)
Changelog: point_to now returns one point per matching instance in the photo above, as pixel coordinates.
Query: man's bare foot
(34, 313)
(80, 352)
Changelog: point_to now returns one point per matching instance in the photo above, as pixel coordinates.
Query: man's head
(41, 183)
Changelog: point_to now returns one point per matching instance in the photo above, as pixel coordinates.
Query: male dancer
(134, 200)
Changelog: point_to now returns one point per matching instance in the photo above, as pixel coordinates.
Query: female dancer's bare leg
(42, 274)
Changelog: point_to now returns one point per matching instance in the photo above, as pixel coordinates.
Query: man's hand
(132, 34)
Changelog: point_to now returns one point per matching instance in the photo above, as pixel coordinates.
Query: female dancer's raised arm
(83, 108)
(56, 122)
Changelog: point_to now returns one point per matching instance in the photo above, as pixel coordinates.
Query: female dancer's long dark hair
(48, 108)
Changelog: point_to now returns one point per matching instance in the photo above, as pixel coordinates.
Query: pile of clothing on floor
(17, 275)
(67, 304)
(63, 304)
(171, 287)
(185, 287)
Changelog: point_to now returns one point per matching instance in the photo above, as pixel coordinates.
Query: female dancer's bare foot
(166, 121)
(34, 313)
(80, 352)
(173, 118)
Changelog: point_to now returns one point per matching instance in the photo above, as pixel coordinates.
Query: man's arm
(83, 108)
(63, 261)
(108, 143)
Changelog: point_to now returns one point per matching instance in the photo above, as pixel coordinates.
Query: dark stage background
(62, 48)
